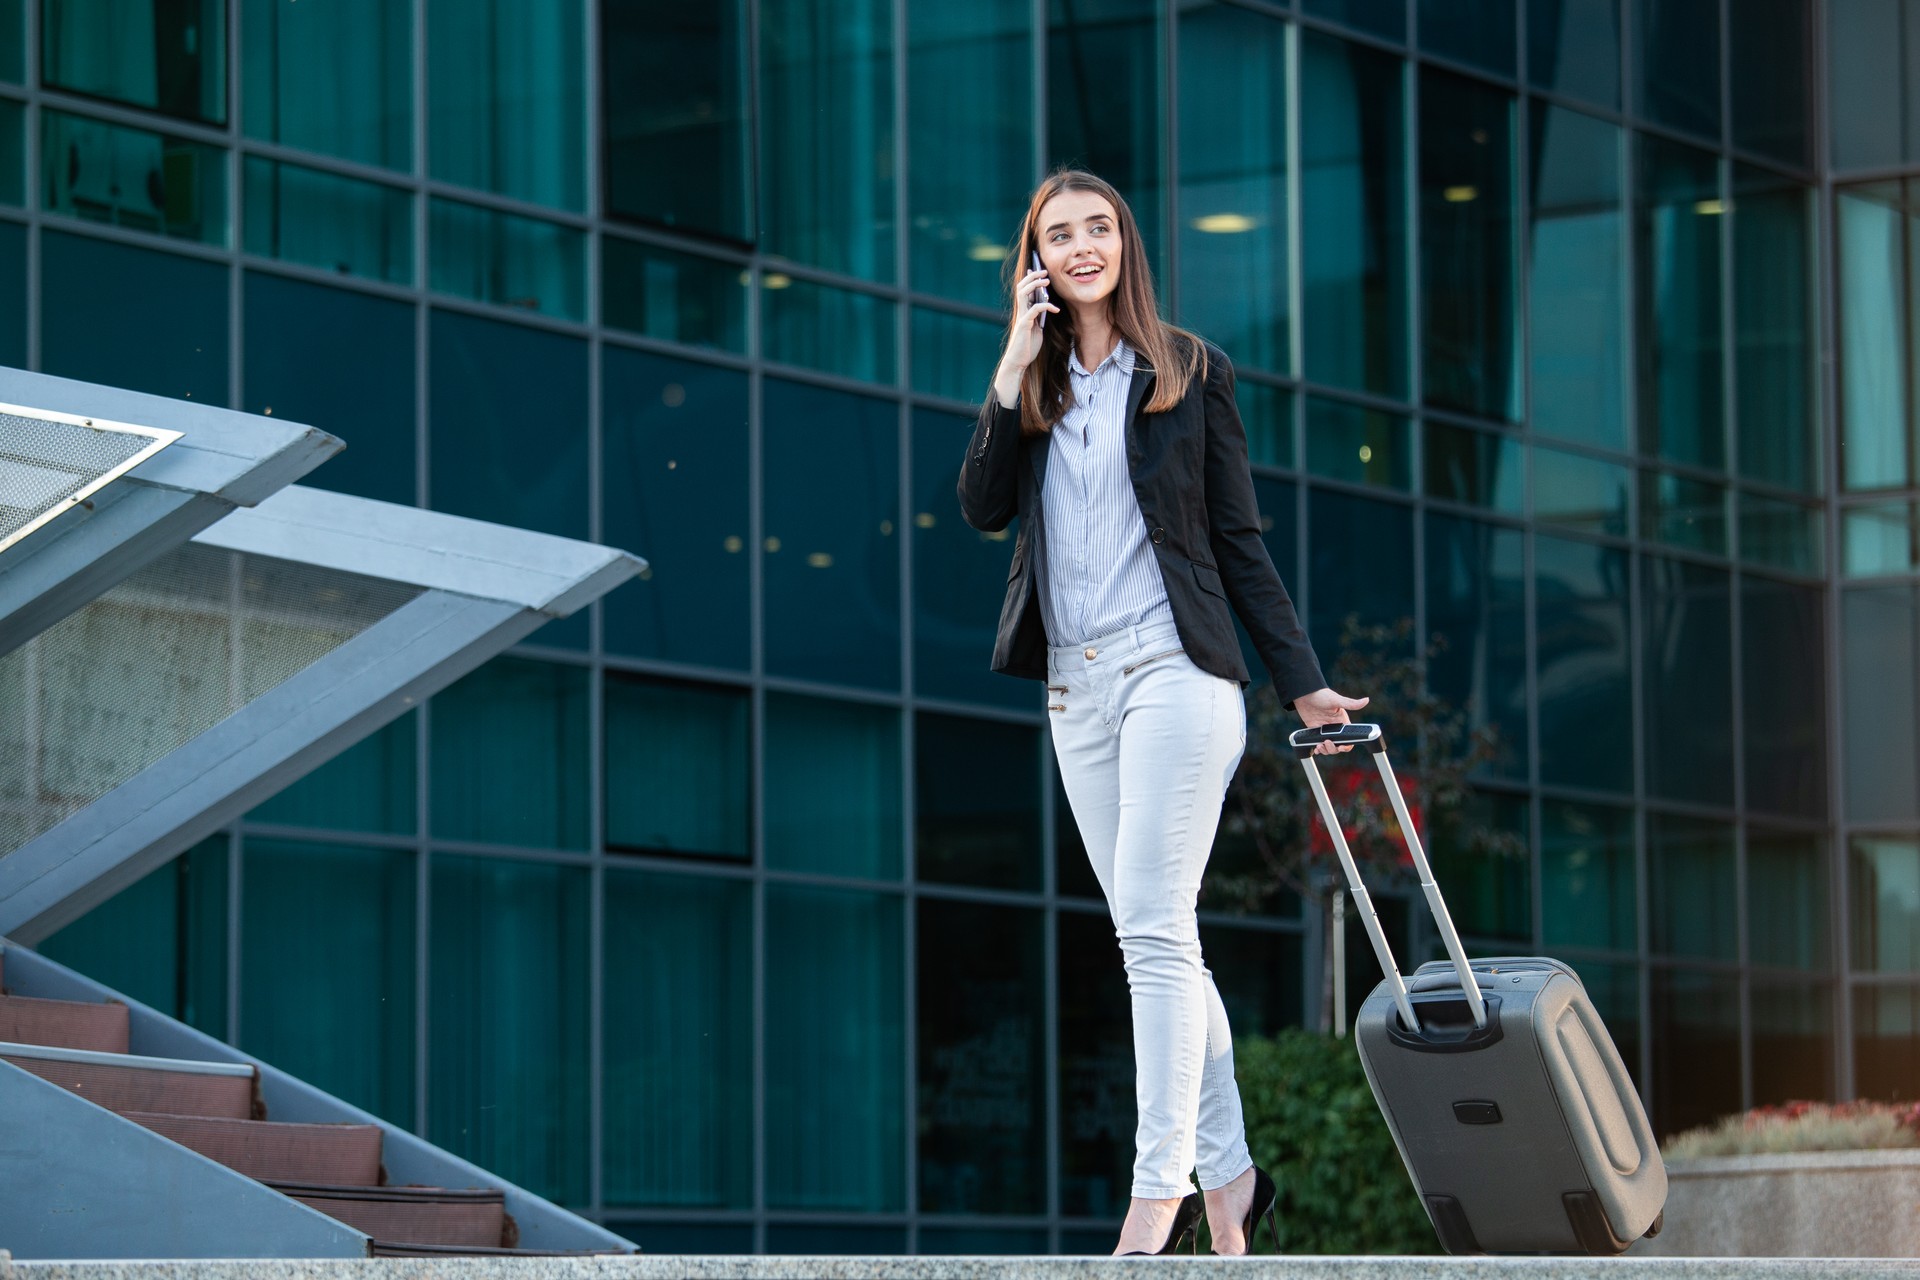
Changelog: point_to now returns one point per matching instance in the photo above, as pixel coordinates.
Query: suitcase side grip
(1590, 1225)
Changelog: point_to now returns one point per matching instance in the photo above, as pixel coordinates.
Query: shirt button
(1092, 653)
(1159, 535)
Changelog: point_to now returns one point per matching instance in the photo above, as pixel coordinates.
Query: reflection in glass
(673, 296)
(1767, 45)
(1615, 991)
(833, 330)
(508, 1032)
(1073, 872)
(831, 562)
(826, 135)
(1096, 1069)
(675, 491)
(674, 82)
(1783, 661)
(1586, 706)
(1587, 875)
(677, 768)
(133, 179)
(1876, 435)
(970, 125)
(982, 1058)
(1266, 412)
(1683, 512)
(506, 98)
(1676, 55)
(1024, 1242)
(1353, 215)
(1792, 1028)
(1879, 627)
(1475, 467)
(1864, 84)
(1260, 976)
(371, 786)
(1787, 900)
(336, 78)
(1678, 214)
(1573, 48)
(1279, 502)
(1879, 539)
(1478, 32)
(165, 57)
(1384, 18)
(1579, 492)
(13, 153)
(1106, 76)
(322, 220)
(1886, 1041)
(954, 356)
(506, 259)
(826, 1239)
(509, 756)
(1489, 887)
(1359, 445)
(1233, 183)
(1360, 566)
(1476, 601)
(1883, 875)
(1687, 657)
(833, 787)
(1693, 903)
(678, 1041)
(166, 332)
(1695, 1036)
(835, 1022)
(1782, 535)
(13, 295)
(1578, 304)
(976, 802)
(12, 41)
(1774, 329)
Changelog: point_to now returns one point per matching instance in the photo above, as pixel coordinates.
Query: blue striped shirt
(1101, 574)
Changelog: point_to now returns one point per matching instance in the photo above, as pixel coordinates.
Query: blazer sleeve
(989, 475)
(1246, 570)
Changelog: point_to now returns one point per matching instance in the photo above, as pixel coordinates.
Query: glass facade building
(743, 912)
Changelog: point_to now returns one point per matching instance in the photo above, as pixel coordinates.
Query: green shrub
(1802, 1126)
(1312, 1124)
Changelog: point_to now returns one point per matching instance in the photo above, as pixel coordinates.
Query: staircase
(215, 1108)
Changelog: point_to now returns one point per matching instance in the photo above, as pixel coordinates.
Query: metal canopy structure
(235, 664)
(75, 521)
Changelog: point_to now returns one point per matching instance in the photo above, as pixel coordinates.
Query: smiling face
(1079, 241)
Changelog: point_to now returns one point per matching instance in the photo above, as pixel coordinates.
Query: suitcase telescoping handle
(1368, 736)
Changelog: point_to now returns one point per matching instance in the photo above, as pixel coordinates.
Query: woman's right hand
(1023, 338)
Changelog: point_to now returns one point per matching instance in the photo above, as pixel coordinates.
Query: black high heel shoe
(1186, 1221)
(1265, 1197)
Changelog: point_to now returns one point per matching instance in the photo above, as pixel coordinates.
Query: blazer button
(1159, 535)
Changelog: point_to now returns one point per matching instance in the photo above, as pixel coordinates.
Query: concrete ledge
(665, 1267)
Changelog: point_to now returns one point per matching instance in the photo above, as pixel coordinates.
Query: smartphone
(1040, 294)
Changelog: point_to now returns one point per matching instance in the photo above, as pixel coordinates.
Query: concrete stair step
(414, 1215)
(69, 1024)
(126, 1082)
(323, 1154)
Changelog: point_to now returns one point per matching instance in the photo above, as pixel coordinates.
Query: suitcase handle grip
(1370, 736)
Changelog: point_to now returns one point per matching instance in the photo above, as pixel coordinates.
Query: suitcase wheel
(1659, 1221)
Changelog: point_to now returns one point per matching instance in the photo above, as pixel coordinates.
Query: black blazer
(1190, 474)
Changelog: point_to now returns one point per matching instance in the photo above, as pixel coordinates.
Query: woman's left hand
(1324, 706)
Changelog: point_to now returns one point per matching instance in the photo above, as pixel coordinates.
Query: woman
(1114, 438)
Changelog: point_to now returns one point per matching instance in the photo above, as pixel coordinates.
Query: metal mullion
(235, 931)
(30, 75)
(109, 112)
(1467, 71)
(511, 315)
(441, 190)
(830, 381)
(713, 356)
(772, 264)
(1511, 429)
(739, 253)
(1364, 39)
(551, 653)
(236, 213)
(320, 162)
(999, 715)
(713, 866)
(952, 307)
(1349, 395)
(686, 672)
(423, 739)
(1170, 121)
(1484, 515)
(596, 639)
(1052, 1115)
(511, 852)
(293, 831)
(134, 239)
(903, 481)
(757, 658)
(254, 264)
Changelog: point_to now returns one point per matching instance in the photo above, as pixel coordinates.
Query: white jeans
(1147, 743)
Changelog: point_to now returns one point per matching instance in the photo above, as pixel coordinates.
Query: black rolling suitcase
(1516, 1118)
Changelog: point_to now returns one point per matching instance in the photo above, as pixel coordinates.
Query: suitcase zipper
(1127, 671)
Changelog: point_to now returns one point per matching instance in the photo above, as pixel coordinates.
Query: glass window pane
(1479, 32)
(1475, 467)
(322, 220)
(371, 786)
(335, 78)
(970, 90)
(1782, 535)
(1279, 502)
(1864, 83)
(673, 296)
(1477, 601)
(1481, 852)
(1792, 1043)
(1233, 183)
(1359, 445)
(976, 802)
(1576, 287)
(1879, 540)
(1586, 702)
(166, 57)
(1787, 900)
(826, 135)
(133, 179)
(1876, 441)
(1266, 412)
(1783, 666)
(686, 1238)
(1681, 512)
(674, 490)
(1360, 566)
(1385, 18)
(1106, 79)
(1774, 329)
(1072, 871)
(832, 330)
(1586, 876)
(509, 756)
(1884, 879)
(830, 1239)
(1768, 44)
(166, 332)
(506, 100)
(835, 1022)
(678, 1027)
(1260, 974)
(327, 944)
(1886, 1042)
(1693, 902)
(678, 767)
(1573, 48)
(982, 1054)
(1677, 63)
(13, 152)
(1353, 215)
(1026, 1242)
(1696, 1048)
(162, 940)
(1677, 220)
(1615, 990)
(831, 564)
(674, 79)
(13, 294)
(508, 1029)
(833, 790)
(489, 381)
(299, 337)
(12, 40)
(954, 355)
(506, 259)
(1878, 638)
(1580, 493)
(1096, 1069)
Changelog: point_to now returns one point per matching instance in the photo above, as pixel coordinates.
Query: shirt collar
(1121, 355)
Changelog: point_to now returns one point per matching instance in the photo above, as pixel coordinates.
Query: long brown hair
(1177, 356)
